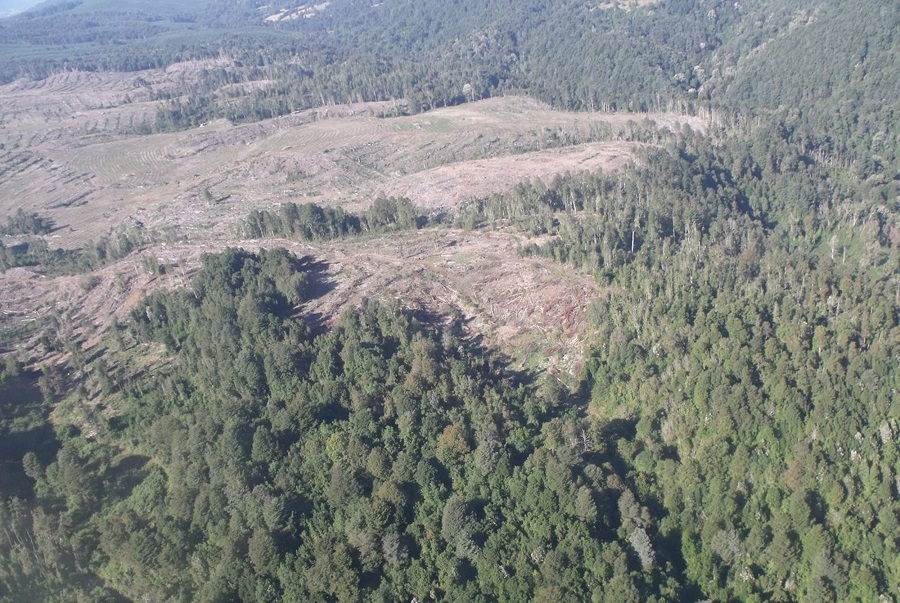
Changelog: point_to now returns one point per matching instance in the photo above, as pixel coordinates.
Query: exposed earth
(71, 152)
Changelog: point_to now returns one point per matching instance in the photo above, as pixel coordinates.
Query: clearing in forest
(70, 151)
(530, 309)
(71, 154)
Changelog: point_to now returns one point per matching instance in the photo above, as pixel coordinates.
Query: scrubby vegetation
(34, 252)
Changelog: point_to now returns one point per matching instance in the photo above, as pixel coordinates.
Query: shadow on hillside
(475, 344)
(24, 428)
(125, 475)
(319, 284)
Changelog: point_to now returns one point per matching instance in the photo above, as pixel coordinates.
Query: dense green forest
(733, 435)
(380, 460)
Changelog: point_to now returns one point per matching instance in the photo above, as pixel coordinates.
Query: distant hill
(833, 63)
(679, 55)
(158, 8)
(9, 8)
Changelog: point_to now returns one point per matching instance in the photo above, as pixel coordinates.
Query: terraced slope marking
(93, 178)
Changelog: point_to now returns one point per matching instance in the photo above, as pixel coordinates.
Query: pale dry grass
(89, 179)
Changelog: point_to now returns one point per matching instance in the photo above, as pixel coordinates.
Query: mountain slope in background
(9, 8)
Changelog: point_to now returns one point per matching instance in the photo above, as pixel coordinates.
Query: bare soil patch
(448, 186)
(65, 153)
(532, 310)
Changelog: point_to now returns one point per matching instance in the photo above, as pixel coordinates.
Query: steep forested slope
(752, 349)
(827, 65)
(380, 461)
(733, 437)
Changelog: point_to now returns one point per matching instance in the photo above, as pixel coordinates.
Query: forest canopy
(732, 436)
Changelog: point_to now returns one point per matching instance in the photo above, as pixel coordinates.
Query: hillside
(74, 154)
(420, 300)
(16, 6)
